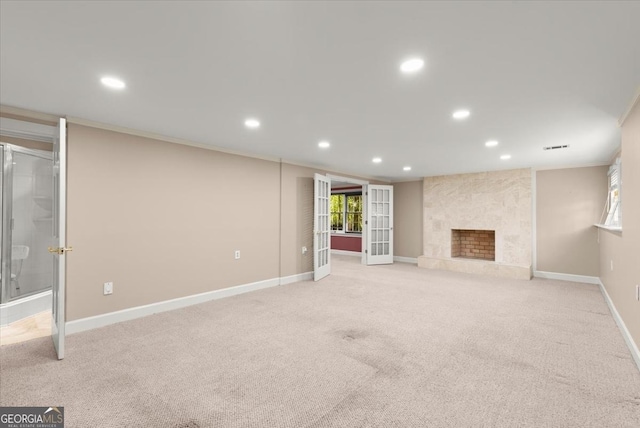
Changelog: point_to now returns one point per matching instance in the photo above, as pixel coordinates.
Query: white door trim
(321, 227)
(59, 238)
(379, 224)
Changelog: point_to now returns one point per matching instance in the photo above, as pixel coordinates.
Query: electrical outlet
(237, 254)
(108, 288)
(637, 291)
(304, 250)
(612, 265)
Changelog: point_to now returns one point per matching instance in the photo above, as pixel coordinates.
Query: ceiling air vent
(565, 146)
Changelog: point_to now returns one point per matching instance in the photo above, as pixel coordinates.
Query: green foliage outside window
(337, 212)
(346, 209)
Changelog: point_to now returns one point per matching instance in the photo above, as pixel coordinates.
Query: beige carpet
(386, 346)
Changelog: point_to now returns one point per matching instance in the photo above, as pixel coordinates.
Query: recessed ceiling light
(411, 65)
(324, 144)
(112, 82)
(461, 114)
(491, 143)
(406, 168)
(252, 123)
(376, 160)
(505, 157)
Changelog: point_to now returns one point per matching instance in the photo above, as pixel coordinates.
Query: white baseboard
(633, 347)
(22, 308)
(307, 276)
(401, 259)
(567, 277)
(103, 320)
(347, 253)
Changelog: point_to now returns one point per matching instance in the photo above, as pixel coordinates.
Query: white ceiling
(532, 75)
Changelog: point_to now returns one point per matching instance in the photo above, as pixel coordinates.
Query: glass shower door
(27, 222)
(32, 222)
(5, 261)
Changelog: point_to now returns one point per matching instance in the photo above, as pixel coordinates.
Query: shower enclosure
(26, 195)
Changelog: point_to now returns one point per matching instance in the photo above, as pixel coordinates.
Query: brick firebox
(473, 244)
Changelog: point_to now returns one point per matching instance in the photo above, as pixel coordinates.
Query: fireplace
(473, 244)
(496, 200)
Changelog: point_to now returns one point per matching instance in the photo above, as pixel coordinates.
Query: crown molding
(159, 137)
(634, 102)
(570, 166)
(164, 138)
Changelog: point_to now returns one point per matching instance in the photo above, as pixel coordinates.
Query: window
(354, 213)
(337, 212)
(614, 198)
(346, 212)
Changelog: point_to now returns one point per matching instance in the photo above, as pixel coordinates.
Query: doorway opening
(33, 219)
(343, 212)
(347, 218)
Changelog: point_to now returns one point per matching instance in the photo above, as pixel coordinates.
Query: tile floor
(32, 327)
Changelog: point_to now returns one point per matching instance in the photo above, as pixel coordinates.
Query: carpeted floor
(385, 346)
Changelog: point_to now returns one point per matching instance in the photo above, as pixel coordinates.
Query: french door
(321, 227)
(379, 224)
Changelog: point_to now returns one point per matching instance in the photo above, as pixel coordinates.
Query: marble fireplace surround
(499, 201)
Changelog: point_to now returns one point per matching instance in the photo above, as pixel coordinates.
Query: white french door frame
(379, 224)
(321, 227)
(322, 265)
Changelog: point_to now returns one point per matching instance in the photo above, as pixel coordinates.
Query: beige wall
(29, 144)
(162, 220)
(568, 203)
(296, 220)
(623, 249)
(28, 116)
(407, 213)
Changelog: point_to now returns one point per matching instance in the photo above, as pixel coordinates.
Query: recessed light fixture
(491, 143)
(461, 114)
(376, 160)
(406, 168)
(324, 144)
(412, 65)
(252, 123)
(505, 157)
(112, 82)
